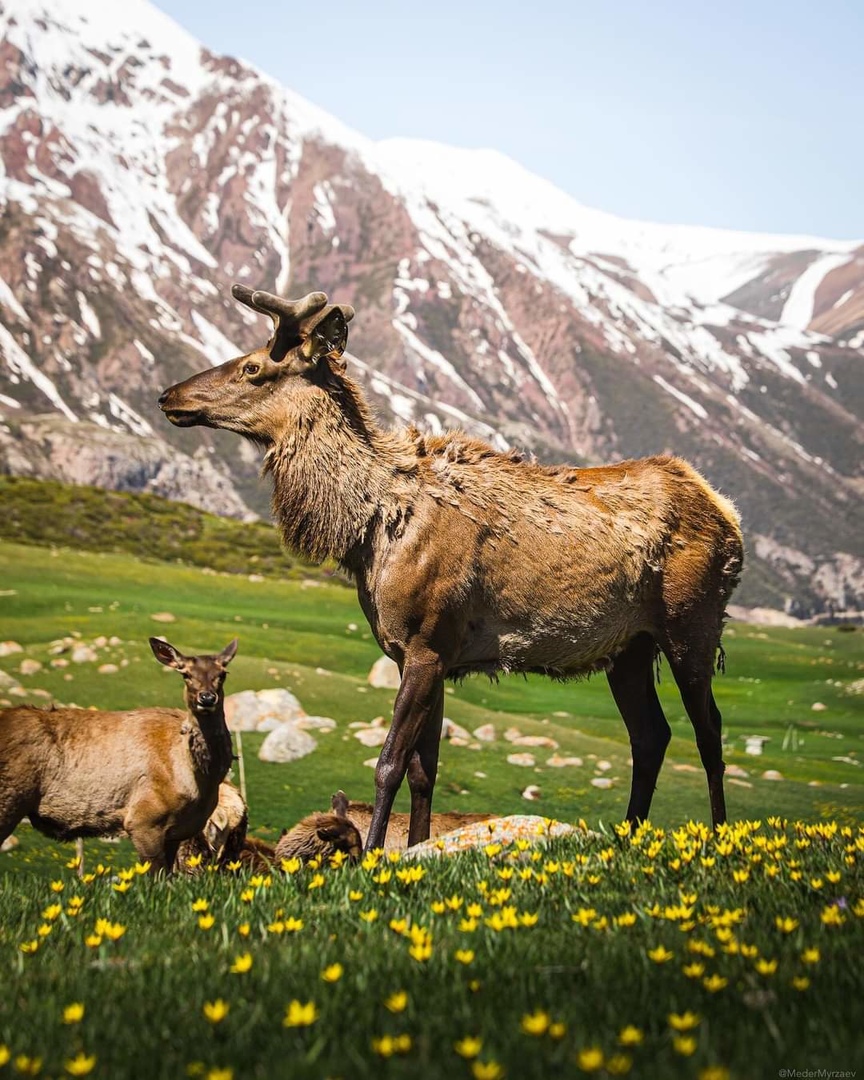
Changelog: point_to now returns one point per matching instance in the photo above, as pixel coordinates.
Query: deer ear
(228, 653)
(339, 804)
(327, 338)
(166, 654)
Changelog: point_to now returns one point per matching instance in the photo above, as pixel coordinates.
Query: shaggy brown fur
(222, 839)
(396, 837)
(322, 835)
(469, 560)
(154, 773)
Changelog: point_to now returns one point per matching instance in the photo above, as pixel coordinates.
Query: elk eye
(251, 369)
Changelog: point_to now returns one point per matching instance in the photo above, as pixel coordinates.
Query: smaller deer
(322, 835)
(224, 834)
(153, 773)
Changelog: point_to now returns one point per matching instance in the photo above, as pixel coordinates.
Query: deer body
(470, 560)
(153, 773)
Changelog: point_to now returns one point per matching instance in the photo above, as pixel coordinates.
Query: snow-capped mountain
(141, 175)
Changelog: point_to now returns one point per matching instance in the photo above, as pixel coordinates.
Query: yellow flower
(220, 1074)
(93, 941)
(660, 955)
(590, 1059)
(467, 926)
(74, 1013)
(247, 896)
(316, 882)
(242, 964)
(584, 916)
(694, 970)
(557, 1030)
(205, 922)
(5, 1054)
(299, 1015)
(630, 1036)
(292, 925)
(454, 902)
(56, 886)
(628, 918)
(200, 905)
(529, 918)
(52, 912)
(469, 1047)
(487, 1070)
(464, 956)
(216, 1011)
(81, 1064)
(142, 867)
(831, 916)
(714, 1072)
(420, 951)
(766, 967)
(618, 1064)
(684, 1045)
(536, 1023)
(397, 1002)
(438, 907)
(243, 929)
(28, 1066)
(833, 876)
(121, 887)
(29, 946)
(388, 1045)
(786, 925)
(684, 1021)
(715, 982)
(741, 875)
(800, 982)
(810, 956)
(332, 973)
(474, 911)
(193, 862)
(369, 916)
(354, 895)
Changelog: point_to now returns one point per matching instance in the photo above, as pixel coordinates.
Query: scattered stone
(526, 760)
(59, 662)
(736, 770)
(29, 667)
(739, 783)
(485, 733)
(753, 744)
(815, 783)
(40, 693)
(163, 616)
(108, 669)
(561, 714)
(847, 760)
(7, 680)
(114, 641)
(559, 762)
(818, 706)
(535, 740)
(9, 843)
(480, 775)
(371, 736)
(352, 626)
(384, 674)
(83, 654)
(371, 762)
(602, 782)
(9, 647)
(379, 721)
(685, 767)
(249, 710)
(58, 647)
(604, 766)
(100, 642)
(457, 740)
(315, 723)
(531, 792)
(286, 743)
(512, 734)
(17, 690)
(449, 730)
(772, 774)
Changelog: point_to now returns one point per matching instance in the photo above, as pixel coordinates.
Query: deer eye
(251, 369)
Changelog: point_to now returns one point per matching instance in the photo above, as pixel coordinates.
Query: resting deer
(153, 773)
(322, 835)
(469, 560)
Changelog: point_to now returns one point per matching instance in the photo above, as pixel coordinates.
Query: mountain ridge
(142, 173)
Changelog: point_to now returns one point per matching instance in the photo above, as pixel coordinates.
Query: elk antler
(291, 314)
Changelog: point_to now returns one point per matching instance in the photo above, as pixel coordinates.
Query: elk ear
(331, 833)
(166, 654)
(327, 338)
(339, 804)
(228, 653)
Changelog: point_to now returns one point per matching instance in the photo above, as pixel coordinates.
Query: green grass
(144, 994)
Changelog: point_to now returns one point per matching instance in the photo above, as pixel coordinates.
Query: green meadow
(382, 969)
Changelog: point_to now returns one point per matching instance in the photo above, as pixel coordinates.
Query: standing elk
(153, 773)
(470, 560)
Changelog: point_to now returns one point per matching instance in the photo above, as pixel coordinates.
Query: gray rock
(371, 736)
(30, 667)
(9, 647)
(83, 654)
(449, 730)
(485, 733)
(263, 710)
(286, 743)
(316, 723)
(525, 760)
(384, 674)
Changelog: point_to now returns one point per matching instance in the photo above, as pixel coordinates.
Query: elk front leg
(422, 771)
(417, 711)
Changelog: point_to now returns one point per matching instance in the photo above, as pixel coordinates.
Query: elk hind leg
(422, 772)
(631, 680)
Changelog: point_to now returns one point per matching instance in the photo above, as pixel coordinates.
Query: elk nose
(207, 699)
(163, 397)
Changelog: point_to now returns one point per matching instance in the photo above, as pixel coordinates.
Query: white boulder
(286, 743)
(384, 674)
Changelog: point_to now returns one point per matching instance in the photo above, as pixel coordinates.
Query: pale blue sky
(746, 114)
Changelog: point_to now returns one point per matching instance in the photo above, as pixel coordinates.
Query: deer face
(203, 675)
(251, 394)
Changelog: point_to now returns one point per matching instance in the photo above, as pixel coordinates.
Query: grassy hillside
(311, 637)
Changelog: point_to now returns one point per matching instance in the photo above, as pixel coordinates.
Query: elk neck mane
(336, 474)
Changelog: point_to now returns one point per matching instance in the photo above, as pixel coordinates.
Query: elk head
(203, 675)
(249, 394)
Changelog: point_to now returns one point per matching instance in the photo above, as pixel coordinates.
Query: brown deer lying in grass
(322, 835)
(224, 834)
(469, 560)
(398, 826)
(153, 773)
